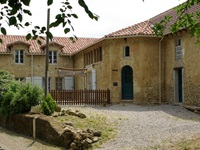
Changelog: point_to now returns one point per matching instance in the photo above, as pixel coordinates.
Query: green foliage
(14, 11)
(5, 78)
(19, 97)
(185, 20)
(48, 105)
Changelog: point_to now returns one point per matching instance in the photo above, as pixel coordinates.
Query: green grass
(98, 122)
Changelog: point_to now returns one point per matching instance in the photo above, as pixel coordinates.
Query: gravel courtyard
(149, 127)
(139, 127)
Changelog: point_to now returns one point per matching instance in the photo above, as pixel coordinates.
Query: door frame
(176, 84)
(122, 83)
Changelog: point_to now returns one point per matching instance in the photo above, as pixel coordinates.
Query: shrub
(48, 105)
(19, 97)
(5, 78)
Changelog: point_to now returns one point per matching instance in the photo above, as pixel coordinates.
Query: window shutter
(28, 79)
(93, 80)
(69, 83)
(178, 50)
(37, 81)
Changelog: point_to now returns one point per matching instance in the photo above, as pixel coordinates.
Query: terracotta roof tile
(172, 13)
(145, 28)
(68, 48)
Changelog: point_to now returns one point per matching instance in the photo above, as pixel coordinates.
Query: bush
(48, 105)
(19, 97)
(5, 78)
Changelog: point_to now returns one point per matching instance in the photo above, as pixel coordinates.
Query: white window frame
(178, 49)
(52, 58)
(18, 54)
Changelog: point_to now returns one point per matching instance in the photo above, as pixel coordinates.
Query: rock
(69, 124)
(68, 110)
(81, 115)
(62, 113)
(73, 145)
(75, 134)
(84, 135)
(97, 133)
(72, 113)
(78, 138)
(89, 130)
(67, 129)
(95, 139)
(58, 108)
(84, 143)
(67, 135)
(88, 140)
(55, 115)
(35, 109)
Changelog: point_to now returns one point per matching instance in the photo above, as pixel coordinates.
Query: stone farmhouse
(135, 64)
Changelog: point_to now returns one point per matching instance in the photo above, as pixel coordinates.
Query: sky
(113, 15)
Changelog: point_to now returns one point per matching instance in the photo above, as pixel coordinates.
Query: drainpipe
(160, 73)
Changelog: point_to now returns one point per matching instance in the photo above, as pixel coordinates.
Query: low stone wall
(23, 124)
(46, 128)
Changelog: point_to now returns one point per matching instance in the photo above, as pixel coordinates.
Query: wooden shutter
(93, 79)
(68, 83)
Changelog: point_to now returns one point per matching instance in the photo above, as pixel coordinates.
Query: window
(126, 51)
(53, 57)
(19, 56)
(59, 83)
(100, 54)
(20, 79)
(93, 56)
(178, 49)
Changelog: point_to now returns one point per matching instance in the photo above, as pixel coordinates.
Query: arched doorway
(127, 83)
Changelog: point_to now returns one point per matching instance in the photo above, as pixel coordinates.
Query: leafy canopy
(13, 11)
(185, 20)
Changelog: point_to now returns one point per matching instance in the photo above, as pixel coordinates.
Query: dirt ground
(152, 126)
(13, 141)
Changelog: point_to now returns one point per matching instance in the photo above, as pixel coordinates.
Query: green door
(127, 83)
(178, 85)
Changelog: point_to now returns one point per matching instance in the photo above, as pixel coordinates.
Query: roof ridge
(171, 9)
(147, 23)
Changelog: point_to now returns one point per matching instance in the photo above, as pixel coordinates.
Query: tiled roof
(145, 28)
(172, 13)
(68, 48)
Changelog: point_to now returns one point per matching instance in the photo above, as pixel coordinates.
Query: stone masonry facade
(135, 64)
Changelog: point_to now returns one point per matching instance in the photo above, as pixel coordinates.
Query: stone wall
(143, 60)
(23, 124)
(34, 65)
(191, 71)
